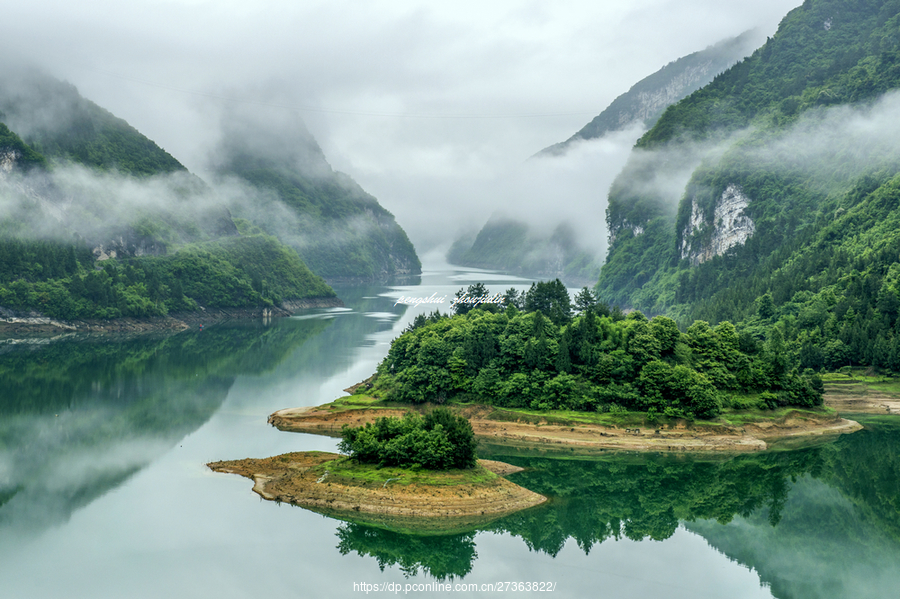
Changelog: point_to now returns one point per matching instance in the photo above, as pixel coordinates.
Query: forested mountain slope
(771, 195)
(340, 231)
(103, 223)
(55, 120)
(649, 97)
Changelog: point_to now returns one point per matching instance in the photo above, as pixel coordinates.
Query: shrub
(439, 441)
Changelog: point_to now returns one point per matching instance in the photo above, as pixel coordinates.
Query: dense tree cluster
(63, 281)
(440, 440)
(594, 362)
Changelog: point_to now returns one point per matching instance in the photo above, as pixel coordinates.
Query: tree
(514, 298)
(563, 362)
(585, 300)
(765, 307)
(472, 298)
(666, 332)
(551, 298)
(439, 441)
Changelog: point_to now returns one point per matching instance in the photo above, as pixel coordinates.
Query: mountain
(511, 245)
(98, 221)
(649, 97)
(508, 244)
(770, 196)
(339, 230)
(60, 124)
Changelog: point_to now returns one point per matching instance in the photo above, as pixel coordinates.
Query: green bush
(438, 441)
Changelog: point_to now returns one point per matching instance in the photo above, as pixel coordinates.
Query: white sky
(426, 105)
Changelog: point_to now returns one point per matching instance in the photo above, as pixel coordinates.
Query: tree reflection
(444, 556)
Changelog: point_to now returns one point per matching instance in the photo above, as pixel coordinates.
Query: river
(104, 491)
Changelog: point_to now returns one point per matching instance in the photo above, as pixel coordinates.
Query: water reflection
(79, 415)
(811, 521)
(839, 534)
(441, 557)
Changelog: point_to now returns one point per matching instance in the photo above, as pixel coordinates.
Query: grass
(346, 471)
(858, 380)
(355, 401)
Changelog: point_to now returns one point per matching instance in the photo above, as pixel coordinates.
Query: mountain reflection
(80, 414)
(805, 503)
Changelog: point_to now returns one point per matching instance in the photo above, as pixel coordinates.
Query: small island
(415, 468)
(524, 370)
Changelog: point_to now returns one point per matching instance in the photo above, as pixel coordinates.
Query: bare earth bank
(293, 478)
(757, 436)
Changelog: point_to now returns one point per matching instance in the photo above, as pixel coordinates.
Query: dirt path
(291, 478)
(682, 438)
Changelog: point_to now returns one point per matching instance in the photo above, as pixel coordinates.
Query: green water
(104, 493)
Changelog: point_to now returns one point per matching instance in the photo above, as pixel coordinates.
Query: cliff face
(702, 239)
(8, 159)
(784, 144)
(649, 104)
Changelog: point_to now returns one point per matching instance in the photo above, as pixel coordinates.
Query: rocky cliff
(703, 238)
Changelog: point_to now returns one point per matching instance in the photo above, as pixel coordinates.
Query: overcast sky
(429, 106)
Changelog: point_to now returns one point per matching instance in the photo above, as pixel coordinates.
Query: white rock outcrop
(8, 159)
(615, 231)
(731, 226)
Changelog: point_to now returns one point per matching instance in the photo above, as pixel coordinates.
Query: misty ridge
(111, 187)
(827, 149)
(560, 194)
(546, 216)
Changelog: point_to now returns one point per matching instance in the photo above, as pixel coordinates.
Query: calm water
(104, 492)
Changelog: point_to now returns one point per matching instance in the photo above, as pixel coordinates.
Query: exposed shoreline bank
(856, 397)
(300, 479)
(503, 427)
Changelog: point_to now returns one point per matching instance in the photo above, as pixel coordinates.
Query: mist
(839, 143)
(431, 108)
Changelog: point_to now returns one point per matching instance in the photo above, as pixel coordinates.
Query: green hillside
(64, 280)
(789, 213)
(338, 229)
(649, 97)
(13, 149)
(55, 120)
(100, 222)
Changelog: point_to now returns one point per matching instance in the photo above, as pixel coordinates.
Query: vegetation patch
(440, 440)
(348, 471)
(531, 354)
